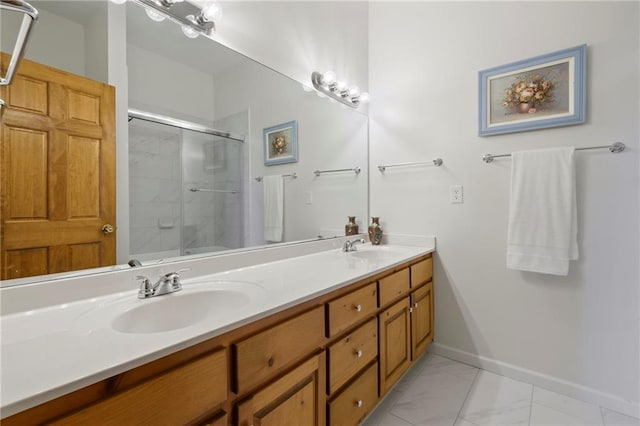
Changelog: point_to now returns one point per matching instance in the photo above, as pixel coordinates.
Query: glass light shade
(341, 86)
(329, 78)
(154, 15)
(190, 31)
(364, 97)
(212, 12)
(354, 91)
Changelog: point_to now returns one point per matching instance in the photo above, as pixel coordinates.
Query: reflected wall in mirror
(203, 82)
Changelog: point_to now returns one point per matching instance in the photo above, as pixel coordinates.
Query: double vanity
(318, 338)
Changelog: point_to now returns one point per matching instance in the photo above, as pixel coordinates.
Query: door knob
(107, 229)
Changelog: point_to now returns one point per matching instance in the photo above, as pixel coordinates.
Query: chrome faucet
(351, 245)
(168, 283)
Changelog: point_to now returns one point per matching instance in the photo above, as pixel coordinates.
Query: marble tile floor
(442, 392)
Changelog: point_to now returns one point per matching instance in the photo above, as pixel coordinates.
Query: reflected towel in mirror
(273, 191)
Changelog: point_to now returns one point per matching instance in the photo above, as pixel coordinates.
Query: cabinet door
(395, 343)
(291, 400)
(421, 320)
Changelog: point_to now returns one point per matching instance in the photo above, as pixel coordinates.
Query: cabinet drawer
(393, 286)
(421, 272)
(175, 397)
(351, 353)
(267, 352)
(357, 400)
(351, 308)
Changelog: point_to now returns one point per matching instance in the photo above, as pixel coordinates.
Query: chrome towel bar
(356, 170)
(615, 148)
(225, 191)
(435, 162)
(291, 175)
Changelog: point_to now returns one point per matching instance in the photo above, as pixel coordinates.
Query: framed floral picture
(281, 143)
(537, 93)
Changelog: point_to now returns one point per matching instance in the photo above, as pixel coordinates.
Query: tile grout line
(531, 404)
(467, 395)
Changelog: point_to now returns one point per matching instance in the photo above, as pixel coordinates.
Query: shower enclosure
(185, 188)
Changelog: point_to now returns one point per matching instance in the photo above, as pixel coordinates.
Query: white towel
(542, 211)
(273, 208)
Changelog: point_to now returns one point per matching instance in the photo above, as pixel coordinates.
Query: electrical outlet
(308, 197)
(455, 194)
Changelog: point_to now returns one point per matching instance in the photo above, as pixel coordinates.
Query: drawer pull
(359, 403)
(358, 308)
(415, 305)
(358, 353)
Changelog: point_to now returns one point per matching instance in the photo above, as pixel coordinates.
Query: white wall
(299, 37)
(581, 331)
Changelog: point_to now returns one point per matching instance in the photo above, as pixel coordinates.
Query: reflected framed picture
(536, 93)
(281, 143)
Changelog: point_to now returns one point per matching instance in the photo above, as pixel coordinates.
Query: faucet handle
(146, 289)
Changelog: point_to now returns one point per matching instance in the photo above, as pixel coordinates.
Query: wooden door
(292, 400)
(57, 148)
(421, 320)
(395, 343)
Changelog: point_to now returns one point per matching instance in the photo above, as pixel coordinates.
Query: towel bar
(615, 148)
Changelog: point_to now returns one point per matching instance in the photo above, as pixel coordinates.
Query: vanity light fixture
(328, 85)
(193, 20)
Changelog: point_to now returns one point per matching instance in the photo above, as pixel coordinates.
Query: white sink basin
(370, 254)
(178, 310)
(196, 304)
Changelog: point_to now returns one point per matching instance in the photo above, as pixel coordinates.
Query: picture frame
(537, 93)
(281, 143)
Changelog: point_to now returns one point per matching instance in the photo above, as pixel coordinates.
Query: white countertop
(53, 350)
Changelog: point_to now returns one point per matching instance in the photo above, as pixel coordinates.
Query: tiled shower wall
(155, 177)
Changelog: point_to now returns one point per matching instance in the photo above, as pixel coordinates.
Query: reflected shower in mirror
(207, 84)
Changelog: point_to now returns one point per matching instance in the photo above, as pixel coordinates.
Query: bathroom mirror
(191, 192)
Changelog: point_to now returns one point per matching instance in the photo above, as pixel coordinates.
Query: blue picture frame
(537, 93)
(280, 143)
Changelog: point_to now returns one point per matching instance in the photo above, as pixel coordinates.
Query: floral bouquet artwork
(536, 93)
(528, 93)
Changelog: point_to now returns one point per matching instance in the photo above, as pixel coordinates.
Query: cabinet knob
(358, 353)
(359, 403)
(358, 308)
(415, 305)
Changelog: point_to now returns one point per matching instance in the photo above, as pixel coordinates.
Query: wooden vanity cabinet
(323, 362)
(293, 399)
(177, 396)
(406, 327)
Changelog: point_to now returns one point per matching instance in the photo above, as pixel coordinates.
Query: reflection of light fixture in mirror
(193, 19)
(340, 91)
(189, 31)
(154, 16)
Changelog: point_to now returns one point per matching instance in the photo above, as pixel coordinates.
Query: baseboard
(544, 381)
